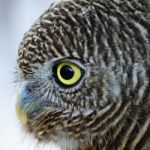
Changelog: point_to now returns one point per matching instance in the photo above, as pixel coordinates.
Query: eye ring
(67, 73)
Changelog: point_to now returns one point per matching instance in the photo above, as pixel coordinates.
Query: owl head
(75, 71)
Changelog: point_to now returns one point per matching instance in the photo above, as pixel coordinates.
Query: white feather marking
(117, 1)
(143, 31)
(114, 20)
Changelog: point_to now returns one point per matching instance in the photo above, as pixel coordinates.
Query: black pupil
(66, 72)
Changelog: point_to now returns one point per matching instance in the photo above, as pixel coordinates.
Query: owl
(84, 75)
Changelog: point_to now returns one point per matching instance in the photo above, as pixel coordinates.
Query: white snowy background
(16, 17)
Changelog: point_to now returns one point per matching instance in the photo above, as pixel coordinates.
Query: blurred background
(16, 17)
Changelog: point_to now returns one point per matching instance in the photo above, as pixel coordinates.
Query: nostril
(29, 89)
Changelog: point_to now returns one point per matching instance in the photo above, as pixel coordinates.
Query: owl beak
(23, 100)
(21, 114)
(27, 106)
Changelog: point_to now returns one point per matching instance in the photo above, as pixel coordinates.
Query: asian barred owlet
(84, 75)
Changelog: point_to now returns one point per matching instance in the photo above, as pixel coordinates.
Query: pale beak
(21, 114)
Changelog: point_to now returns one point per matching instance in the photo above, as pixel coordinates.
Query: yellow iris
(68, 73)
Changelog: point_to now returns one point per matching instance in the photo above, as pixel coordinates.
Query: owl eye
(67, 73)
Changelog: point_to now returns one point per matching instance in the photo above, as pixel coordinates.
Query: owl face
(67, 83)
(64, 89)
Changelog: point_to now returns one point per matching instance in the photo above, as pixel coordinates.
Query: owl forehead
(62, 31)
